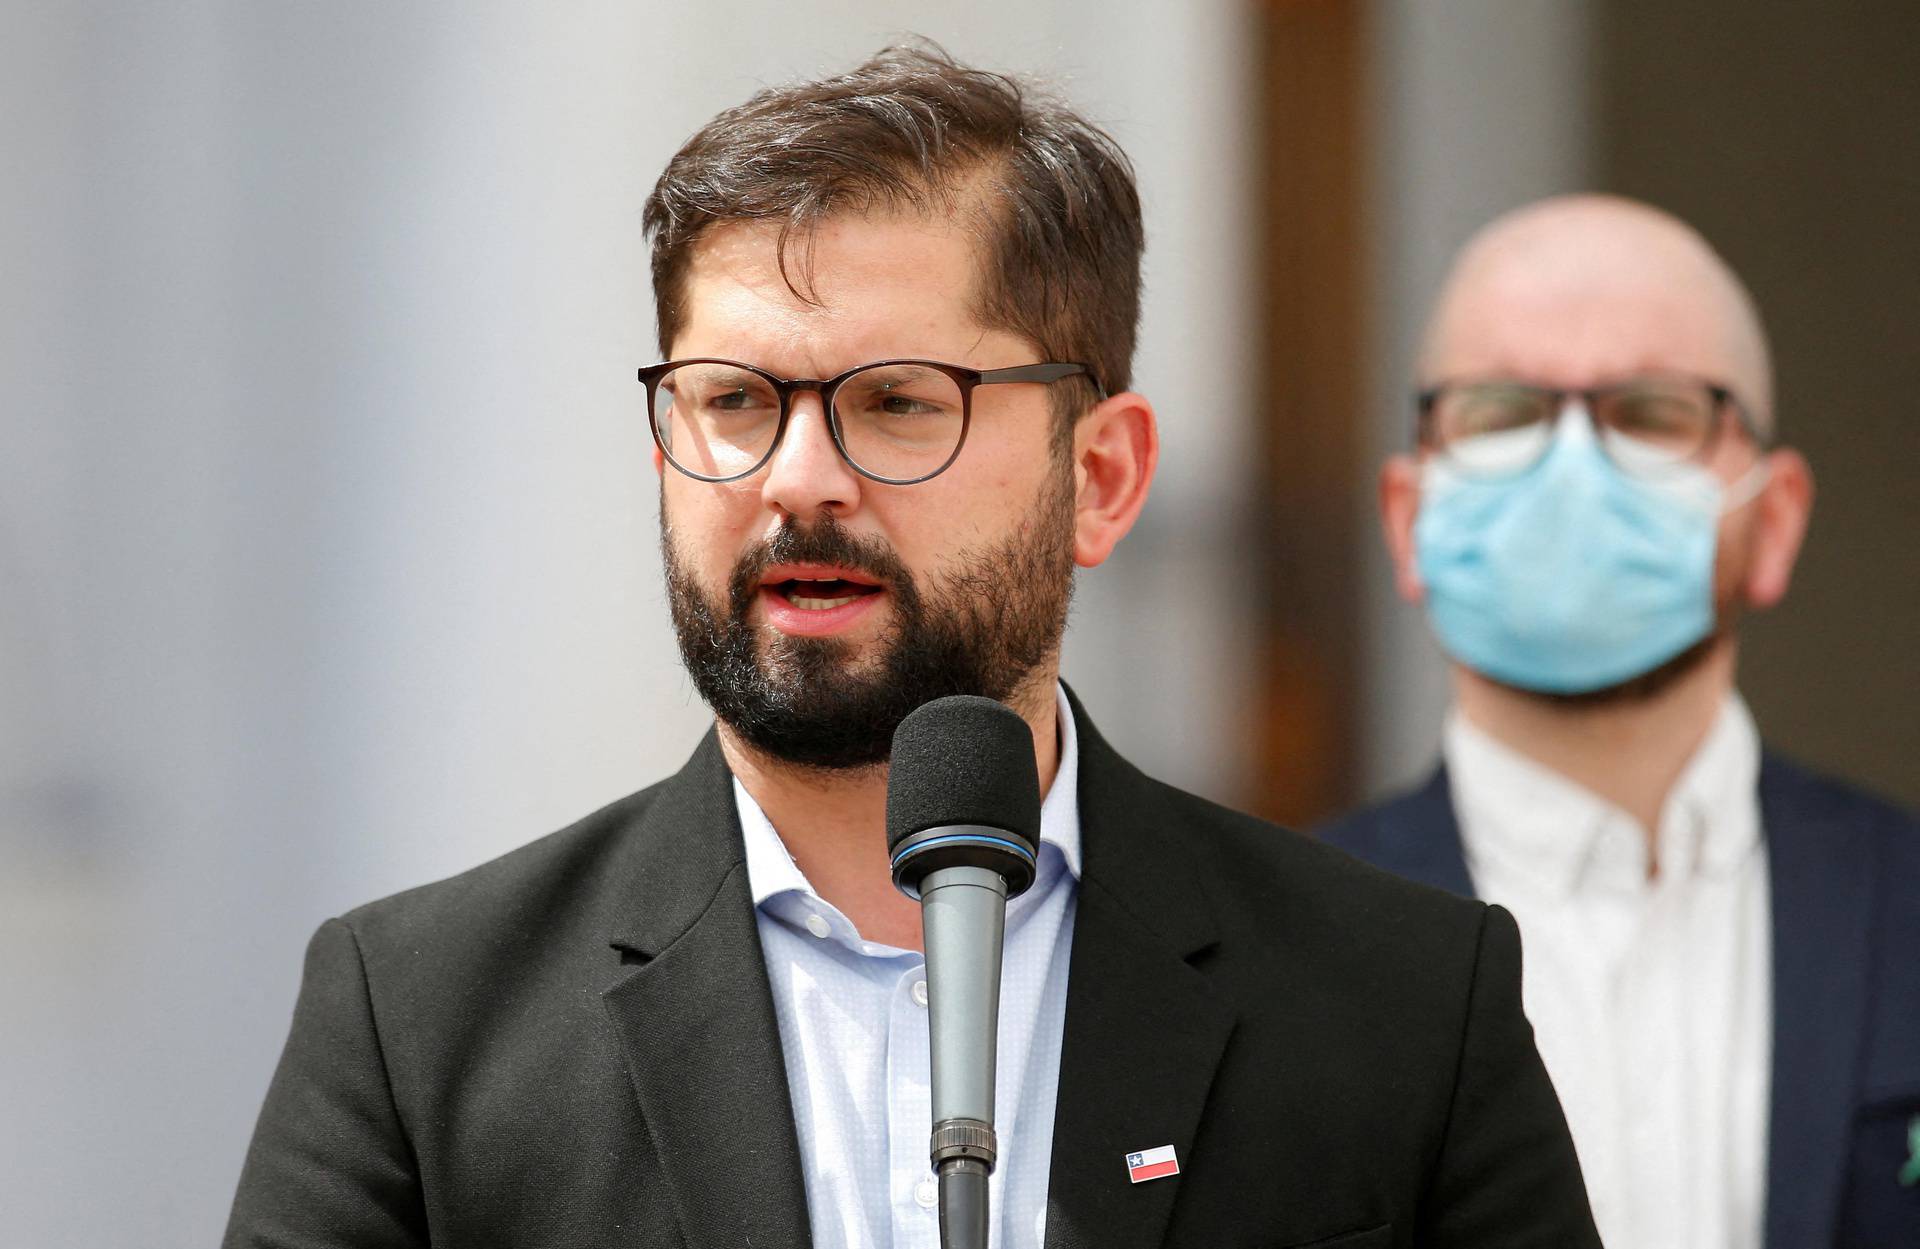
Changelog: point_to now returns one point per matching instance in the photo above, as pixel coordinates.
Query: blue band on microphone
(973, 838)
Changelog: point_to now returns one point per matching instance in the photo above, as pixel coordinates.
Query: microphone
(963, 828)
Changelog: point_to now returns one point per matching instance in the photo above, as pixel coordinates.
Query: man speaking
(897, 310)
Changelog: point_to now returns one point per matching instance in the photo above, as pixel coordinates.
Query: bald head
(1583, 289)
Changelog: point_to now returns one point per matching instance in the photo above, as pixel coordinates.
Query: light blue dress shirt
(853, 1032)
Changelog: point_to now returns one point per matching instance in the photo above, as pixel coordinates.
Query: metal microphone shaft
(963, 917)
(963, 827)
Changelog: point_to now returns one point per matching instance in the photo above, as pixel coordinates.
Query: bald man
(1723, 951)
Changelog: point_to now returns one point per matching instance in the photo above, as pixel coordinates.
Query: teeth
(819, 604)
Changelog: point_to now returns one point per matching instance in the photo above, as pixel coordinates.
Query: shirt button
(817, 925)
(926, 1194)
(920, 992)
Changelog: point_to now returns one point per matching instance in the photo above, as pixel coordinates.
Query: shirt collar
(1711, 820)
(1060, 812)
(772, 871)
(1524, 818)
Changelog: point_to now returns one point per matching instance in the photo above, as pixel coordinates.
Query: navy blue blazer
(1843, 1160)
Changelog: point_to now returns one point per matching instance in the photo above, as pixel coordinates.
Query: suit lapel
(1822, 874)
(696, 1025)
(1144, 1029)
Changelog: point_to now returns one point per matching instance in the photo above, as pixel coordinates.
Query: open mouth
(821, 595)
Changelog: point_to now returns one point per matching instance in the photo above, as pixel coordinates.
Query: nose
(807, 475)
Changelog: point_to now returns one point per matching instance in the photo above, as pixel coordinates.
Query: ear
(659, 461)
(1784, 507)
(1399, 506)
(1115, 449)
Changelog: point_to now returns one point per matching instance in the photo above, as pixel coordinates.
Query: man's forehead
(1579, 290)
(810, 261)
(904, 279)
(1569, 323)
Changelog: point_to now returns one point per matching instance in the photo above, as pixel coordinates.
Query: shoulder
(1274, 889)
(1266, 889)
(557, 895)
(1373, 831)
(506, 958)
(1792, 787)
(556, 863)
(1801, 808)
(1385, 1013)
(1382, 1013)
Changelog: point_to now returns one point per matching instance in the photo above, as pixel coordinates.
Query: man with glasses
(897, 309)
(1720, 947)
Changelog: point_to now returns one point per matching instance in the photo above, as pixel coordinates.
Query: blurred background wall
(327, 527)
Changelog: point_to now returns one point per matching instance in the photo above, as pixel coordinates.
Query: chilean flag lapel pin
(1152, 1164)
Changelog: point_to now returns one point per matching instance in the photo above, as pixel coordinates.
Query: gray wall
(327, 525)
(1789, 134)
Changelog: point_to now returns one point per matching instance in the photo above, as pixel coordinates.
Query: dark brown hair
(914, 129)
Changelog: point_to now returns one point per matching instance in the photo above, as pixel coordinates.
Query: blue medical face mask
(1571, 576)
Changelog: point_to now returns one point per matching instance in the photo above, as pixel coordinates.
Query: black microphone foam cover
(963, 760)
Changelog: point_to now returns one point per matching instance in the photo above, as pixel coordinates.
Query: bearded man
(897, 309)
(1720, 946)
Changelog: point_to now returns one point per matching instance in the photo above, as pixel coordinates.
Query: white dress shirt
(853, 1032)
(1651, 998)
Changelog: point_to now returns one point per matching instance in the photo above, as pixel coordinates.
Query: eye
(1674, 419)
(1492, 408)
(894, 403)
(1650, 412)
(734, 400)
(898, 394)
(716, 391)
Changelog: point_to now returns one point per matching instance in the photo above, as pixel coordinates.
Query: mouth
(812, 595)
(807, 599)
(817, 587)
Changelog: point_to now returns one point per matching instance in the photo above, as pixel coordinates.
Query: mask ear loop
(1747, 487)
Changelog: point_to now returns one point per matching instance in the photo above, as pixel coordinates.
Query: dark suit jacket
(575, 1045)
(1845, 870)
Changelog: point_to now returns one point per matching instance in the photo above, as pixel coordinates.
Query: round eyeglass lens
(1648, 428)
(900, 421)
(1494, 429)
(715, 420)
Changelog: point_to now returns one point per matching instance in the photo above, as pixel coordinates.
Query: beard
(984, 625)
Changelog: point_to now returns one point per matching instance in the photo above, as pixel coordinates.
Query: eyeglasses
(1647, 426)
(899, 422)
